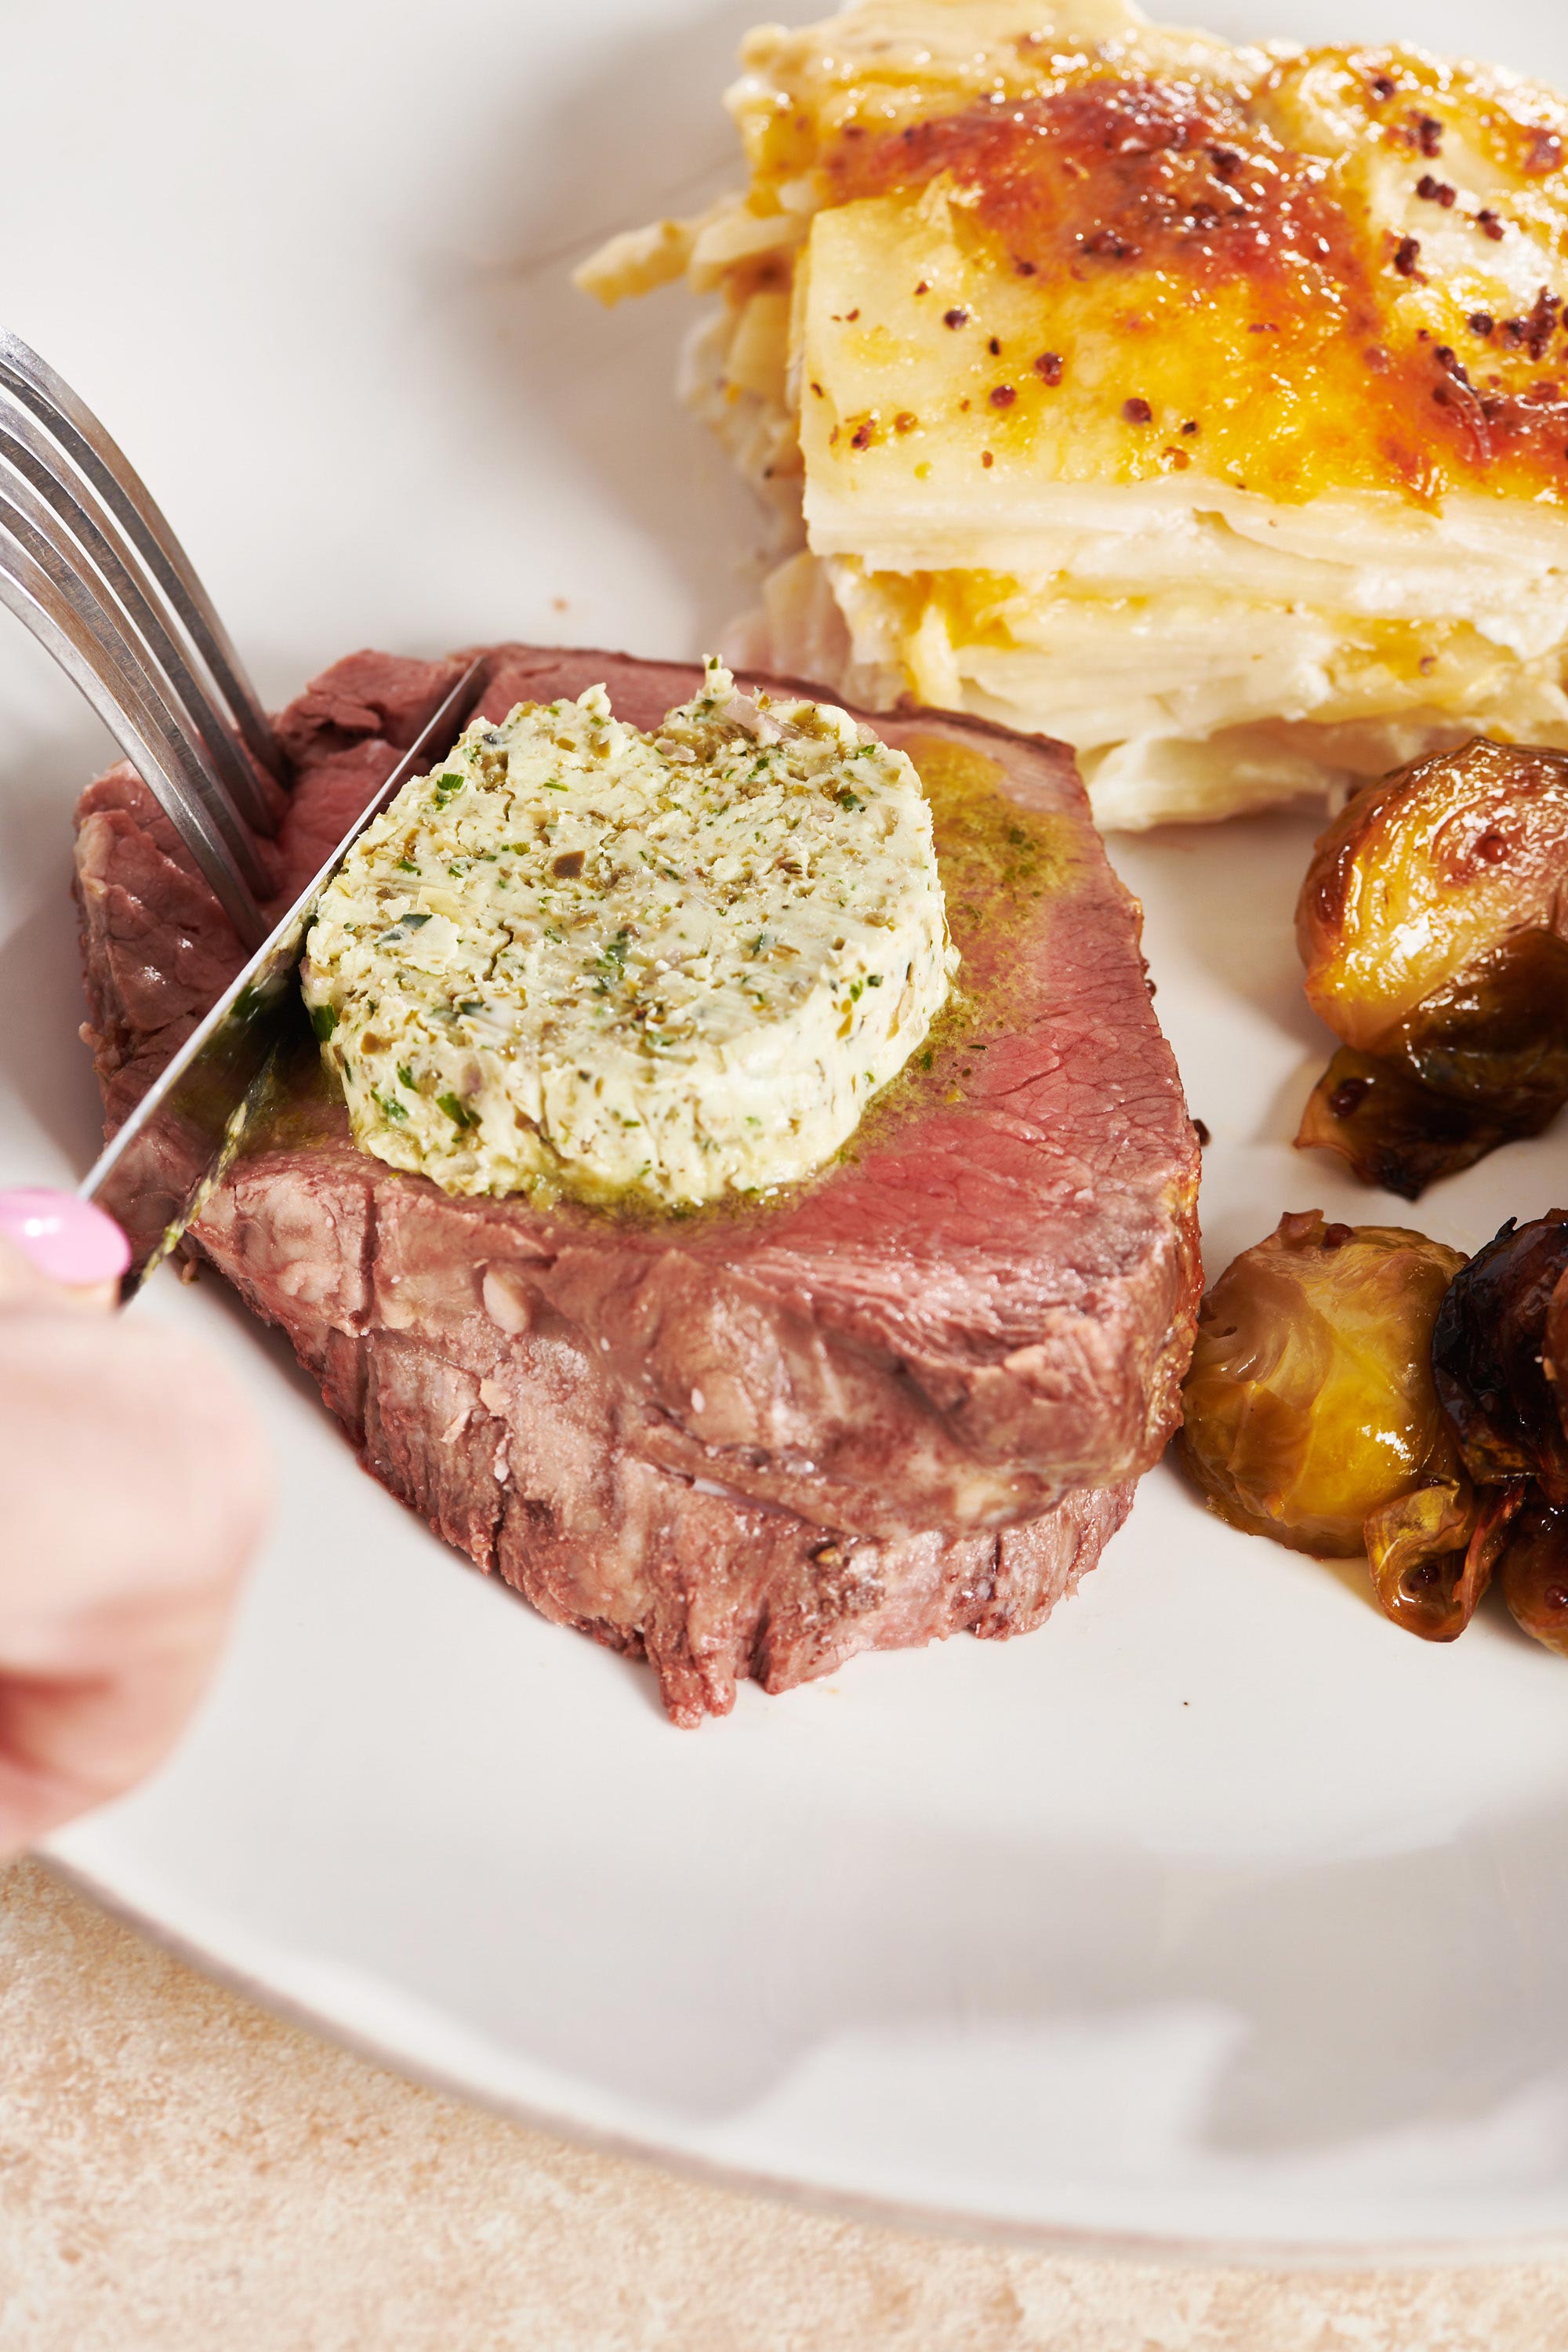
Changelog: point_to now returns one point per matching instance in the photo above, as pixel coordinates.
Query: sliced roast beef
(906, 1398)
(487, 1410)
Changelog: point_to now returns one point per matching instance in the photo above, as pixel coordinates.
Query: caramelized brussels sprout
(1424, 872)
(1495, 1360)
(1491, 1359)
(1482, 1061)
(1428, 924)
(1533, 1573)
(1309, 1406)
(1358, 1387)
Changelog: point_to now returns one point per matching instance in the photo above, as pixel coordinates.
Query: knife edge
(161, 1168)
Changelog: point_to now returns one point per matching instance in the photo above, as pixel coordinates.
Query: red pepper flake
(1489, 223)
(1226, 160)
(1407, 253)
(924, 285)
(1050, 365)
(986, 458)
(1002, 396)
(1383, 87)
(851, 315)
(1480, 322)
(1191, 426)
(820, 394)
(1436, 191)
(994, 347)
(1025, 268)
(863, 435)
(1137, 412)
(1545, 152)
(957, 317)
(904, 423)
(964, 406)
(1428, 133)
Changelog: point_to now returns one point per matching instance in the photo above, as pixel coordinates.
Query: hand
(133, 1491)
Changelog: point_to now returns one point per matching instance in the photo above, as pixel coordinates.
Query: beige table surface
(178, 2169)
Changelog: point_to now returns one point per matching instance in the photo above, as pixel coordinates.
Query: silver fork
(90, 565)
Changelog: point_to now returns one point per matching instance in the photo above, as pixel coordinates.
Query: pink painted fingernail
(66, 1238)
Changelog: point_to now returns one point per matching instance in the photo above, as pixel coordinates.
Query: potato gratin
(583, 958)
(1203, 405)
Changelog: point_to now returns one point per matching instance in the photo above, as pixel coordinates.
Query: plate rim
(1325, 2257)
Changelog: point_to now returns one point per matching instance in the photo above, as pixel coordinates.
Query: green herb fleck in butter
(580, 957)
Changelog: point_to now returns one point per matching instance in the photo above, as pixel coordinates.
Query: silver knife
(177, 1144)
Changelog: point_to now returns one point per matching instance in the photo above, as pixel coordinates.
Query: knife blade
(165, 1163)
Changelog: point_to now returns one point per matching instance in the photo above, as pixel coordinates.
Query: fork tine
(32, 596)
(41, 587)
(40, 533)
(30, 450)
(35, 384)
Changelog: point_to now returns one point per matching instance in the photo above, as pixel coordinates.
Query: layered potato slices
(1206, 406)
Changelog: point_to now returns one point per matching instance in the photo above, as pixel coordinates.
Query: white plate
(1218, 1911)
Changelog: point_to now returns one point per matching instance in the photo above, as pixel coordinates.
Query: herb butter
(579, 957)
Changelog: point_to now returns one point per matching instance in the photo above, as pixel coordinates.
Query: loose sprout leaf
(1428, 1571)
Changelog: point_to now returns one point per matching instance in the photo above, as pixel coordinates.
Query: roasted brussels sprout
(1482, 1061)
(1430, 926)
(1491, 1361)
(1496, 1363)
(1358, 1387)
(1534, 1574)
(1309, 1406)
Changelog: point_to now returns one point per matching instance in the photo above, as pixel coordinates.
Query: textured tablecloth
(179, 2170)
